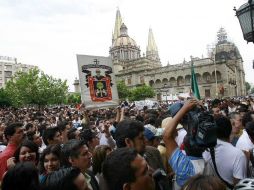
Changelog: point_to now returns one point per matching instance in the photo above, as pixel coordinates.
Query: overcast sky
(49, 33)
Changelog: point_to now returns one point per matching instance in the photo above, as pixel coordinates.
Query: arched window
(218, 75)
(198, 77)
(180, 81)
(172, 81)
(207, 77)
(187, 79)
(129, 81)
(151, 83)
(142, 80)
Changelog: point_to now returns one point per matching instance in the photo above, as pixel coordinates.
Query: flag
(194, 83)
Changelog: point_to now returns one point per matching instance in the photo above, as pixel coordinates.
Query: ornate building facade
(219, 75)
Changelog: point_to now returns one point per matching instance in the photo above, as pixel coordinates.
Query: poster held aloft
(97, 81)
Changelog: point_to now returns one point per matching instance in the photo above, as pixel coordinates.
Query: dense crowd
(126, 148)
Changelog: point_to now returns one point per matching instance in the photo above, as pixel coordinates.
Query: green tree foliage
(248, 87)
(73, 98)
(141, 93)
(123, 91)
(252, 90)
(35, 88)
(4, 99)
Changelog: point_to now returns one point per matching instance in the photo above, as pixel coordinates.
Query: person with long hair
(49, 161)
(99, 155)
(26, 152)
(23, 175)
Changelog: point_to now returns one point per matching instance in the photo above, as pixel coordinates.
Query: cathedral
(221, 74)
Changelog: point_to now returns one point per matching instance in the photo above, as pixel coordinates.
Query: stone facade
(219, 75)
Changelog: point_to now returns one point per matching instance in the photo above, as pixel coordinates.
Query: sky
(50, 33)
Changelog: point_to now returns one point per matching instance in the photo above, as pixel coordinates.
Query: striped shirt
(185, 166)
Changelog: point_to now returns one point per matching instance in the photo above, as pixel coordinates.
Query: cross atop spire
(118, 23)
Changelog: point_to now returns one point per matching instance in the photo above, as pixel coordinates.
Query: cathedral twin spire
(118, 24)
(151, 42)
(151, 49)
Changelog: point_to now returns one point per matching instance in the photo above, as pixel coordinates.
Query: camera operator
(184, 166)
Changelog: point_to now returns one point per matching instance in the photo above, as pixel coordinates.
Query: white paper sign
(151, 104)
(97, 81)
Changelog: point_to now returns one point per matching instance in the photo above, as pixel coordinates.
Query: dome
(124, 41)
(224, 49)
(227, 51)
(124, 47)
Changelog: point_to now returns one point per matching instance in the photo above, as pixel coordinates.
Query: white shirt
(244, 142)
(180, 136)
(230, 110)
(2, 147)
(230, 161)
(107, 141)
(76, 123)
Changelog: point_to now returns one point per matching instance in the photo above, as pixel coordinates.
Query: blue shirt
(182, 166)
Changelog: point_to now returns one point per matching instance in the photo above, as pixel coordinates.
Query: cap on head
(149, 135)
(152, 132)
(174, 108)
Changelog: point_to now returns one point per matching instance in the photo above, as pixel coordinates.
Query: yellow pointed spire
(151, 42)
(118, 23)
(151, 49)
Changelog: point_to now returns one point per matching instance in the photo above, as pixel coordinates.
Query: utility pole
(215, 72)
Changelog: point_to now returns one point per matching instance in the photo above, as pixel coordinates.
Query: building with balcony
(8, 67)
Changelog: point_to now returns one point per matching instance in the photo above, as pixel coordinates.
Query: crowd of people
(126, 148)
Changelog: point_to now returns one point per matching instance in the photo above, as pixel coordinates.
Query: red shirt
(4, 156)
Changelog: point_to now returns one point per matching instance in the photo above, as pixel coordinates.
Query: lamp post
(165, 85)
(245, 15)
(215, 74)
(159, 97)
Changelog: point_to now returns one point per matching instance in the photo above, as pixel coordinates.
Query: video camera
(201, 128)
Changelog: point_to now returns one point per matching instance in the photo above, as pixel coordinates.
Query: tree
(4, 99)
(35, 88)
(73, 98)
(248, 87)
(252, 90)
(123, 91)
(141, 93)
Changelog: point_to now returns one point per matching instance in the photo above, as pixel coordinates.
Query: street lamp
(245, 16)
(215, 72)
(165, 85)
